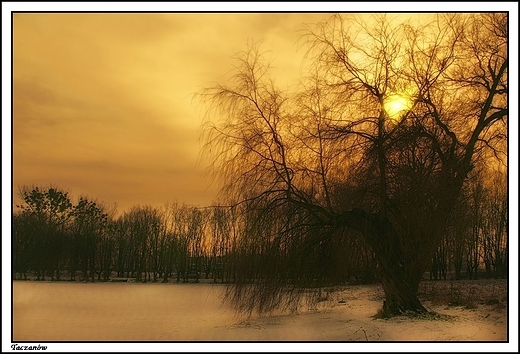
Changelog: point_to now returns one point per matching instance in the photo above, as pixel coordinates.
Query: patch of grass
(465, 293)
(470, 305)
(492, 301)
(430, 316)
(427, 316)
(455, 303)
(500, 307)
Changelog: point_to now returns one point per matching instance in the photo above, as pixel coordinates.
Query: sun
(395, 105)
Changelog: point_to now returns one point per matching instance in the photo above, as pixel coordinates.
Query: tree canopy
(375, 147)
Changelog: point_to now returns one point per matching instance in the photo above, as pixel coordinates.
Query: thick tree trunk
(401, 271)
(401, 263)
(400, 293)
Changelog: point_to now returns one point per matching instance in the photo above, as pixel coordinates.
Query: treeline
(56, 238)
(476, 240)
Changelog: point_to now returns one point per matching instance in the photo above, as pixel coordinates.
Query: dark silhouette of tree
(25, 244)
(486, 220)
(313, 169)
(143, 226)
(179, 230)
(123, 262)
(49, 210)
(491, 224)
(186, 231)
(496, 245)
(157, 245)
(476, 233)
(473, 258)
(88, 232)
(107, 250)
(220, 231)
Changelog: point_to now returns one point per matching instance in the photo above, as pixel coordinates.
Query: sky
(103, 103)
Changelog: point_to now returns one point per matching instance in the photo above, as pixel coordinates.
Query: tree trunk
(400, 293)
(165, 278)
(401, 271)
(402, 264)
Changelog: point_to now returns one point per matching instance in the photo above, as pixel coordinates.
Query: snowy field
(50, 311)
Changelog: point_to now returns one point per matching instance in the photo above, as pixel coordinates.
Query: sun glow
(396, 104)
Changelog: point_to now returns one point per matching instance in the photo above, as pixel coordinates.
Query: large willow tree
(374, 148)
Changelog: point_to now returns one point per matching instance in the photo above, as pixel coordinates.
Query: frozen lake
(51, 311)
(119, 311)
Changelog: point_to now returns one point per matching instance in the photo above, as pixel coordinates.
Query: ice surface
(46, 311)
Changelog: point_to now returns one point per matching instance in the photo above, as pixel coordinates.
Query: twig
(365, 334)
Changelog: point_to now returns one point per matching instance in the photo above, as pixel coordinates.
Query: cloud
(103, 103)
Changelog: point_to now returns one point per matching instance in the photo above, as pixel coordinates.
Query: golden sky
(103, 103)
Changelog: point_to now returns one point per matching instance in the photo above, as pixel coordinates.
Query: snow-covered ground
(50, 311)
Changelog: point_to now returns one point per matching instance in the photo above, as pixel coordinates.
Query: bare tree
(224, 224)
(157, 241)
(496, 226)
(124, 246)
(88, 228)
(474, 256)
(187, 227)
(492, 224)
(25, 244)
(313, 168)
(146, 225)
(107, 250)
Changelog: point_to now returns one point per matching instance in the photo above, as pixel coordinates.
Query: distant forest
(58, 238)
